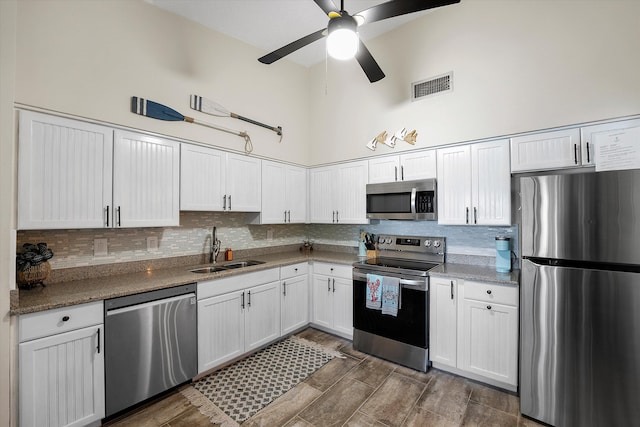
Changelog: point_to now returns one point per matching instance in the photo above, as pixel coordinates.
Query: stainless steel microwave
(410, 200)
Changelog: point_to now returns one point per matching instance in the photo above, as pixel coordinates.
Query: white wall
(519, 65)
(87, 58)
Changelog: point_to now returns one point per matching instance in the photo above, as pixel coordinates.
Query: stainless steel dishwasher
(150, 344)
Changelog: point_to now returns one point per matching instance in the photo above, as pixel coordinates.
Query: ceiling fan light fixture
(342, 42)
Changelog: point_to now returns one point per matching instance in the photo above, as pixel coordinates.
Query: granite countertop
(476, 272)
(95, 289)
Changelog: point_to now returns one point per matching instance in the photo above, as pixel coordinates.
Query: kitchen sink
(242, 264)
(208, 269)
(229, 266)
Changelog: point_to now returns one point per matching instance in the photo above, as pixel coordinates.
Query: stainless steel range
(401, 338)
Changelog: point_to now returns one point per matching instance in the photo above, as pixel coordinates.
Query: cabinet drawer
(210, 288)
(491, 292)
(293, 270)
(336, 270)
(51, 322)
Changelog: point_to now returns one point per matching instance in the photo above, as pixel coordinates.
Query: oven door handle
(419, 285)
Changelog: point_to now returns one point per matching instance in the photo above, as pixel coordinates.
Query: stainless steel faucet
(215, 247)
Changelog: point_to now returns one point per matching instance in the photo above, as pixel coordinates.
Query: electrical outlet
(100, 247)
(269, 233)
(152, 243)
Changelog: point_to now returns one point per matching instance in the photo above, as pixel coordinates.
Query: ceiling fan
(343, 41)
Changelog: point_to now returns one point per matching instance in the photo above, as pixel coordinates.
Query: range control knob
(388, 240)
(436, 243)
(380, 239)
(427, 243)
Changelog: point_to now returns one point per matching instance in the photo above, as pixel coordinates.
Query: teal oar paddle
(144, 107)
(208, 106)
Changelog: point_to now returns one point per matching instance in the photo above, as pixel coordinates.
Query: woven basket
(34, 275)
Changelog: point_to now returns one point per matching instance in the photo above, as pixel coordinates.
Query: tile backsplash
(74, 248)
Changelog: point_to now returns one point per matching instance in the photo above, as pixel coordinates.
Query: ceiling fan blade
(397, 8)
(272, 57)
(327, 6)
(368, 64)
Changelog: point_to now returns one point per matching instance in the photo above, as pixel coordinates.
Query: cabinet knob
(489, 291)
(65, 318)
(488, 307)
(295, 269)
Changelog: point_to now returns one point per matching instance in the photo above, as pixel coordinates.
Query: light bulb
(342, 42)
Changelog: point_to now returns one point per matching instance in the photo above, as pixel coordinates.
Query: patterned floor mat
(242, 389)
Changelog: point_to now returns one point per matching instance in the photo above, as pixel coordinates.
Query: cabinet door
(350, 187)
(62, 379)
(274, 207)
(244, 189)
(321, 204)
(262, 315)
(420, 165)
(202, 178)
(296, 194)
(491, 183)
(548, 150)
(322, 300)
(589, 136)
(384, 169)
(64, 173)
(220, 329)
(442, 320)
(454, 185)
(342, 304)
(294, 297)
(146, 181)
(490, 340)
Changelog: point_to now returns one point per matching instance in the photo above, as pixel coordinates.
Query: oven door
(411, 326)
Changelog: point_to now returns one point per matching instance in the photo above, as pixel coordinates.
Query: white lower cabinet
(332, 295)
(474, 330)
(236, 315)
(443, 320)
(294, 297)
(62, 367)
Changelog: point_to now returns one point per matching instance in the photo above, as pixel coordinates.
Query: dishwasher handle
(116, 311)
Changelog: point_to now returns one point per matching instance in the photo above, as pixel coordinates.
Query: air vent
(432, 86)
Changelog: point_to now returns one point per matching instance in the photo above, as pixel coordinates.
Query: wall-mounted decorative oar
(208, 106)
(152, 109)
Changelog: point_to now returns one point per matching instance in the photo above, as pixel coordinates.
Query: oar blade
(208, 106)
(152, 109)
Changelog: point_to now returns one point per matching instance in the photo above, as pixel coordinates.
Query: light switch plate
(152, 243)
(100, 247)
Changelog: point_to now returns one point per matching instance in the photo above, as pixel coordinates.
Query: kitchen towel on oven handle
(374, 291)
(390, 296)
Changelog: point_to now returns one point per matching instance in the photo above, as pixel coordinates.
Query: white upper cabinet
(338, 194)
(589, 136)
(244, 191)
(64, 173)
(548, 150)
(213, 180)
(146, 181)
(202, 178)
(474, 184)
(73, 174)
(405, 167)
(284, 193)
(491, 183)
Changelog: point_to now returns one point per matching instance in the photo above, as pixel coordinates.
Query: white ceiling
(271, 24)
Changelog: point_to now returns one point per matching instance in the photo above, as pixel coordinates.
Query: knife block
(372, 253)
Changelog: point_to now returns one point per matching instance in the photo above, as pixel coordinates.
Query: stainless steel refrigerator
(580, 298)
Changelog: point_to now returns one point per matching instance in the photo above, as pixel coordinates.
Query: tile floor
(359, 390)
